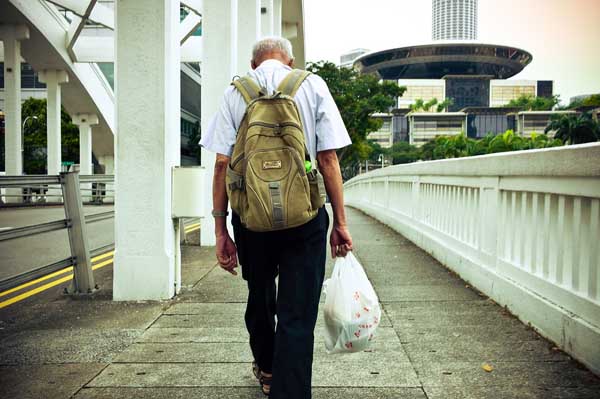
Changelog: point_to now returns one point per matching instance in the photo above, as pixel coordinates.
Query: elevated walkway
(436, 335)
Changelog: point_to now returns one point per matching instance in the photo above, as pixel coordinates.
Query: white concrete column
(249, 32)
(147, 146)
(85, 122)
(13, 142)
(267, 19)
(219, 35)
(53, 79)
(277, 17)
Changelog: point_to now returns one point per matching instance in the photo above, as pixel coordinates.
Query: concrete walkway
(436, 335)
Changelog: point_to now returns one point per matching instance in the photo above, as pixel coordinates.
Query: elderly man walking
(275, 134)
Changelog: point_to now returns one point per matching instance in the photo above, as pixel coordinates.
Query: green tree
(403, 152)
(357, 97)
(35, 137)
(443, 106)
(432, 105)
(574, 128)
(418, 105)
(532, 103)
(590, 101)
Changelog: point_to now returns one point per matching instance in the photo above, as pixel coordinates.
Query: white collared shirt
(323, 125)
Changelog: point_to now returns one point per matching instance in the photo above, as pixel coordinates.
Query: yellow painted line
(34, 291)
(102, 264)
(51, 275)
(47, 286)
(104, 255)
(192, 230)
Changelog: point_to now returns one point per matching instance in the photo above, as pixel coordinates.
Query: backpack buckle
(278, 129)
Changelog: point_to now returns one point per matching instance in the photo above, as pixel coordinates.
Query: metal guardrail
(36, 190)
(75, 223)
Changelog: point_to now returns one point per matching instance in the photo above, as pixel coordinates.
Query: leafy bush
(444, 147)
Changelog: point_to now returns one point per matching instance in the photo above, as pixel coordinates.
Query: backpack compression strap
(248, 88)
(291, 83)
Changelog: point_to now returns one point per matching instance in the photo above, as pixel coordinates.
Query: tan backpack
(271, 181)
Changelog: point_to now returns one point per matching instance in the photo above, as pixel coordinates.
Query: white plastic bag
(351, 310)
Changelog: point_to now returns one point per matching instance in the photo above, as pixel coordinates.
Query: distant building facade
(347, 59)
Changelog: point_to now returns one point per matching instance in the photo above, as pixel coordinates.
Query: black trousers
(297, 256)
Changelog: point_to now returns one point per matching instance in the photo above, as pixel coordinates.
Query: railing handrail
(27, 180)
(581, 160)
(17, 181)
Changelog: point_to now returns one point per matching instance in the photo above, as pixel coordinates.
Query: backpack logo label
(271, 165)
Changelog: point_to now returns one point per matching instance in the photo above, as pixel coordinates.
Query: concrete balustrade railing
(523, 227)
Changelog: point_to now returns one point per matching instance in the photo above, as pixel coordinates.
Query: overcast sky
(562, 35)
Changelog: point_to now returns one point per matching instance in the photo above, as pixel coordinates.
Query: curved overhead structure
(59, 43)
(434, 61)
(87, 91)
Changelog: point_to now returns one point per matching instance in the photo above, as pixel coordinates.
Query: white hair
(272, 44)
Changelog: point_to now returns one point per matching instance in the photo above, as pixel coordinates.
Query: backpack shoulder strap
(248, 88)
(291, 83)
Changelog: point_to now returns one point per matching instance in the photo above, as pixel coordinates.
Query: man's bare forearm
(329, 167)
(220, 193)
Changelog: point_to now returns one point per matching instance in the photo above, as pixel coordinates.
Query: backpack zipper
(275, 125)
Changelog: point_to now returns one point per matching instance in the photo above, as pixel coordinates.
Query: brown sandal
(265, 383)
(263, 380)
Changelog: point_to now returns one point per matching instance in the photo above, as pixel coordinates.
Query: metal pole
(83, 276)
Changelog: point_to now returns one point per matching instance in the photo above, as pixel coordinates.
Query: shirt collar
(273, 63)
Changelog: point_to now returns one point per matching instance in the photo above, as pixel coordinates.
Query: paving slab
(199, 321)
(98, 314)
(418, 292)
(484, 351)
(511, 392)
(476, 317)
(203, 334)
(487, 333)
(196, 263)
(175, 375)
(203, 308)
(186, 352)
(377, 373)
(56, 346)
(45, 381)
(532, 374)
(244, 393)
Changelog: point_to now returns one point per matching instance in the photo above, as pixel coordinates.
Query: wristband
(220, 214)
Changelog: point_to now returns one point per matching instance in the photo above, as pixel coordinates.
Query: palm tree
(441, 107)
(418, 105)
(574, 129)
(430, 104)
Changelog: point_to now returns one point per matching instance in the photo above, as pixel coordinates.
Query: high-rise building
(454, 20)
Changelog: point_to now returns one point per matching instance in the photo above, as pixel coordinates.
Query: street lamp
(23, 141)
(381, 159)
